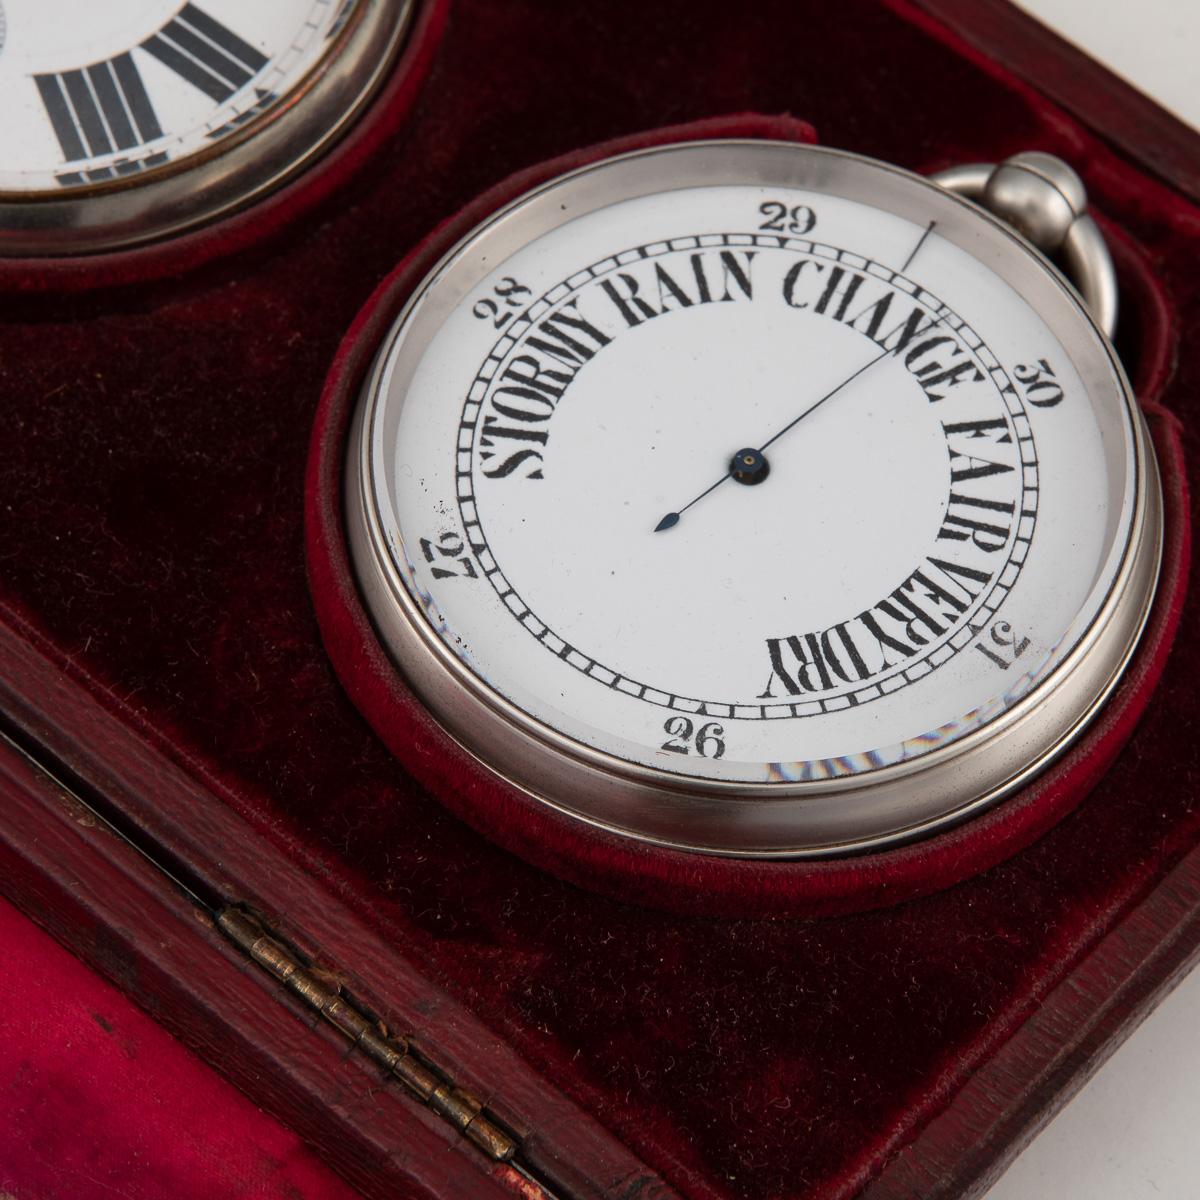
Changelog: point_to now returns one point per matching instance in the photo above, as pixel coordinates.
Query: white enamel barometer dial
(130, 118)
(753, 498)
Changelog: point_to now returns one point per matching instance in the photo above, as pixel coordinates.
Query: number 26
(709, 740)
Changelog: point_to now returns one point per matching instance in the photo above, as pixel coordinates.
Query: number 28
(508, 297)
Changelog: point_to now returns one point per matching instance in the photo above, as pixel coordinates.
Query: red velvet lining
(686, 883)
(248, 229)
(152, 488)
(100, 1101)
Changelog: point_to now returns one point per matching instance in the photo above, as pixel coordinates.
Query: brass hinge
(390, 1051)
(318, 991)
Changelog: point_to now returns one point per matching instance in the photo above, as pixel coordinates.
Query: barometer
(132, 119)
(760, 499)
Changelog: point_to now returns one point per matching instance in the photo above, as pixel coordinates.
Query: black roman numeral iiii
(205, 53)
(99, 109)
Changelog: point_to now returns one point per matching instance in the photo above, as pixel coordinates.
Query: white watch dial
(750, 482)
(99, 91)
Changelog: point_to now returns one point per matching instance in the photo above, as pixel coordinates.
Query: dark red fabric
(98, 1100)
(688, 883)
(152, 489)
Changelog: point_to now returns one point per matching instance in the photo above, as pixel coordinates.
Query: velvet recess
(154, 483)
(688, 883)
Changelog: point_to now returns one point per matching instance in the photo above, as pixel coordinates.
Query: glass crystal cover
(763, 481)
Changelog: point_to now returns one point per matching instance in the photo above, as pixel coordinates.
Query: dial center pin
(749, 466)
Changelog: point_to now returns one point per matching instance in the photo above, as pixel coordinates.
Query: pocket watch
(760, 499)
(133, 119)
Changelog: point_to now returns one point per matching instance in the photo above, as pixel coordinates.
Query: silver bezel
(227, 175)
(807, 819)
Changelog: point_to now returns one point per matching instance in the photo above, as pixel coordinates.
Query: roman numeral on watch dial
(99, 109)
(192, 107)
(205, 53)
(104, 108)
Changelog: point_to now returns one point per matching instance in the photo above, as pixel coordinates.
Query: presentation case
(193, 804)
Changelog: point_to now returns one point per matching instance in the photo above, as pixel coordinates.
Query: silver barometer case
(866, 797)
(111, 192)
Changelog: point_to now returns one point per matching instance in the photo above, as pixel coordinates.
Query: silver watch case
(769, 820)
(239, 168)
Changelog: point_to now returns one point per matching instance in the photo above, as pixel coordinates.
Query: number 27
(450, 552)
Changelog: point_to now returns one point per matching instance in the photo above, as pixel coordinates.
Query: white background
(1132, 1132)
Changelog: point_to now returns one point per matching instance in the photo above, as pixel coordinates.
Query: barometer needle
(672, 518)
(921, 241)
(755, 461)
